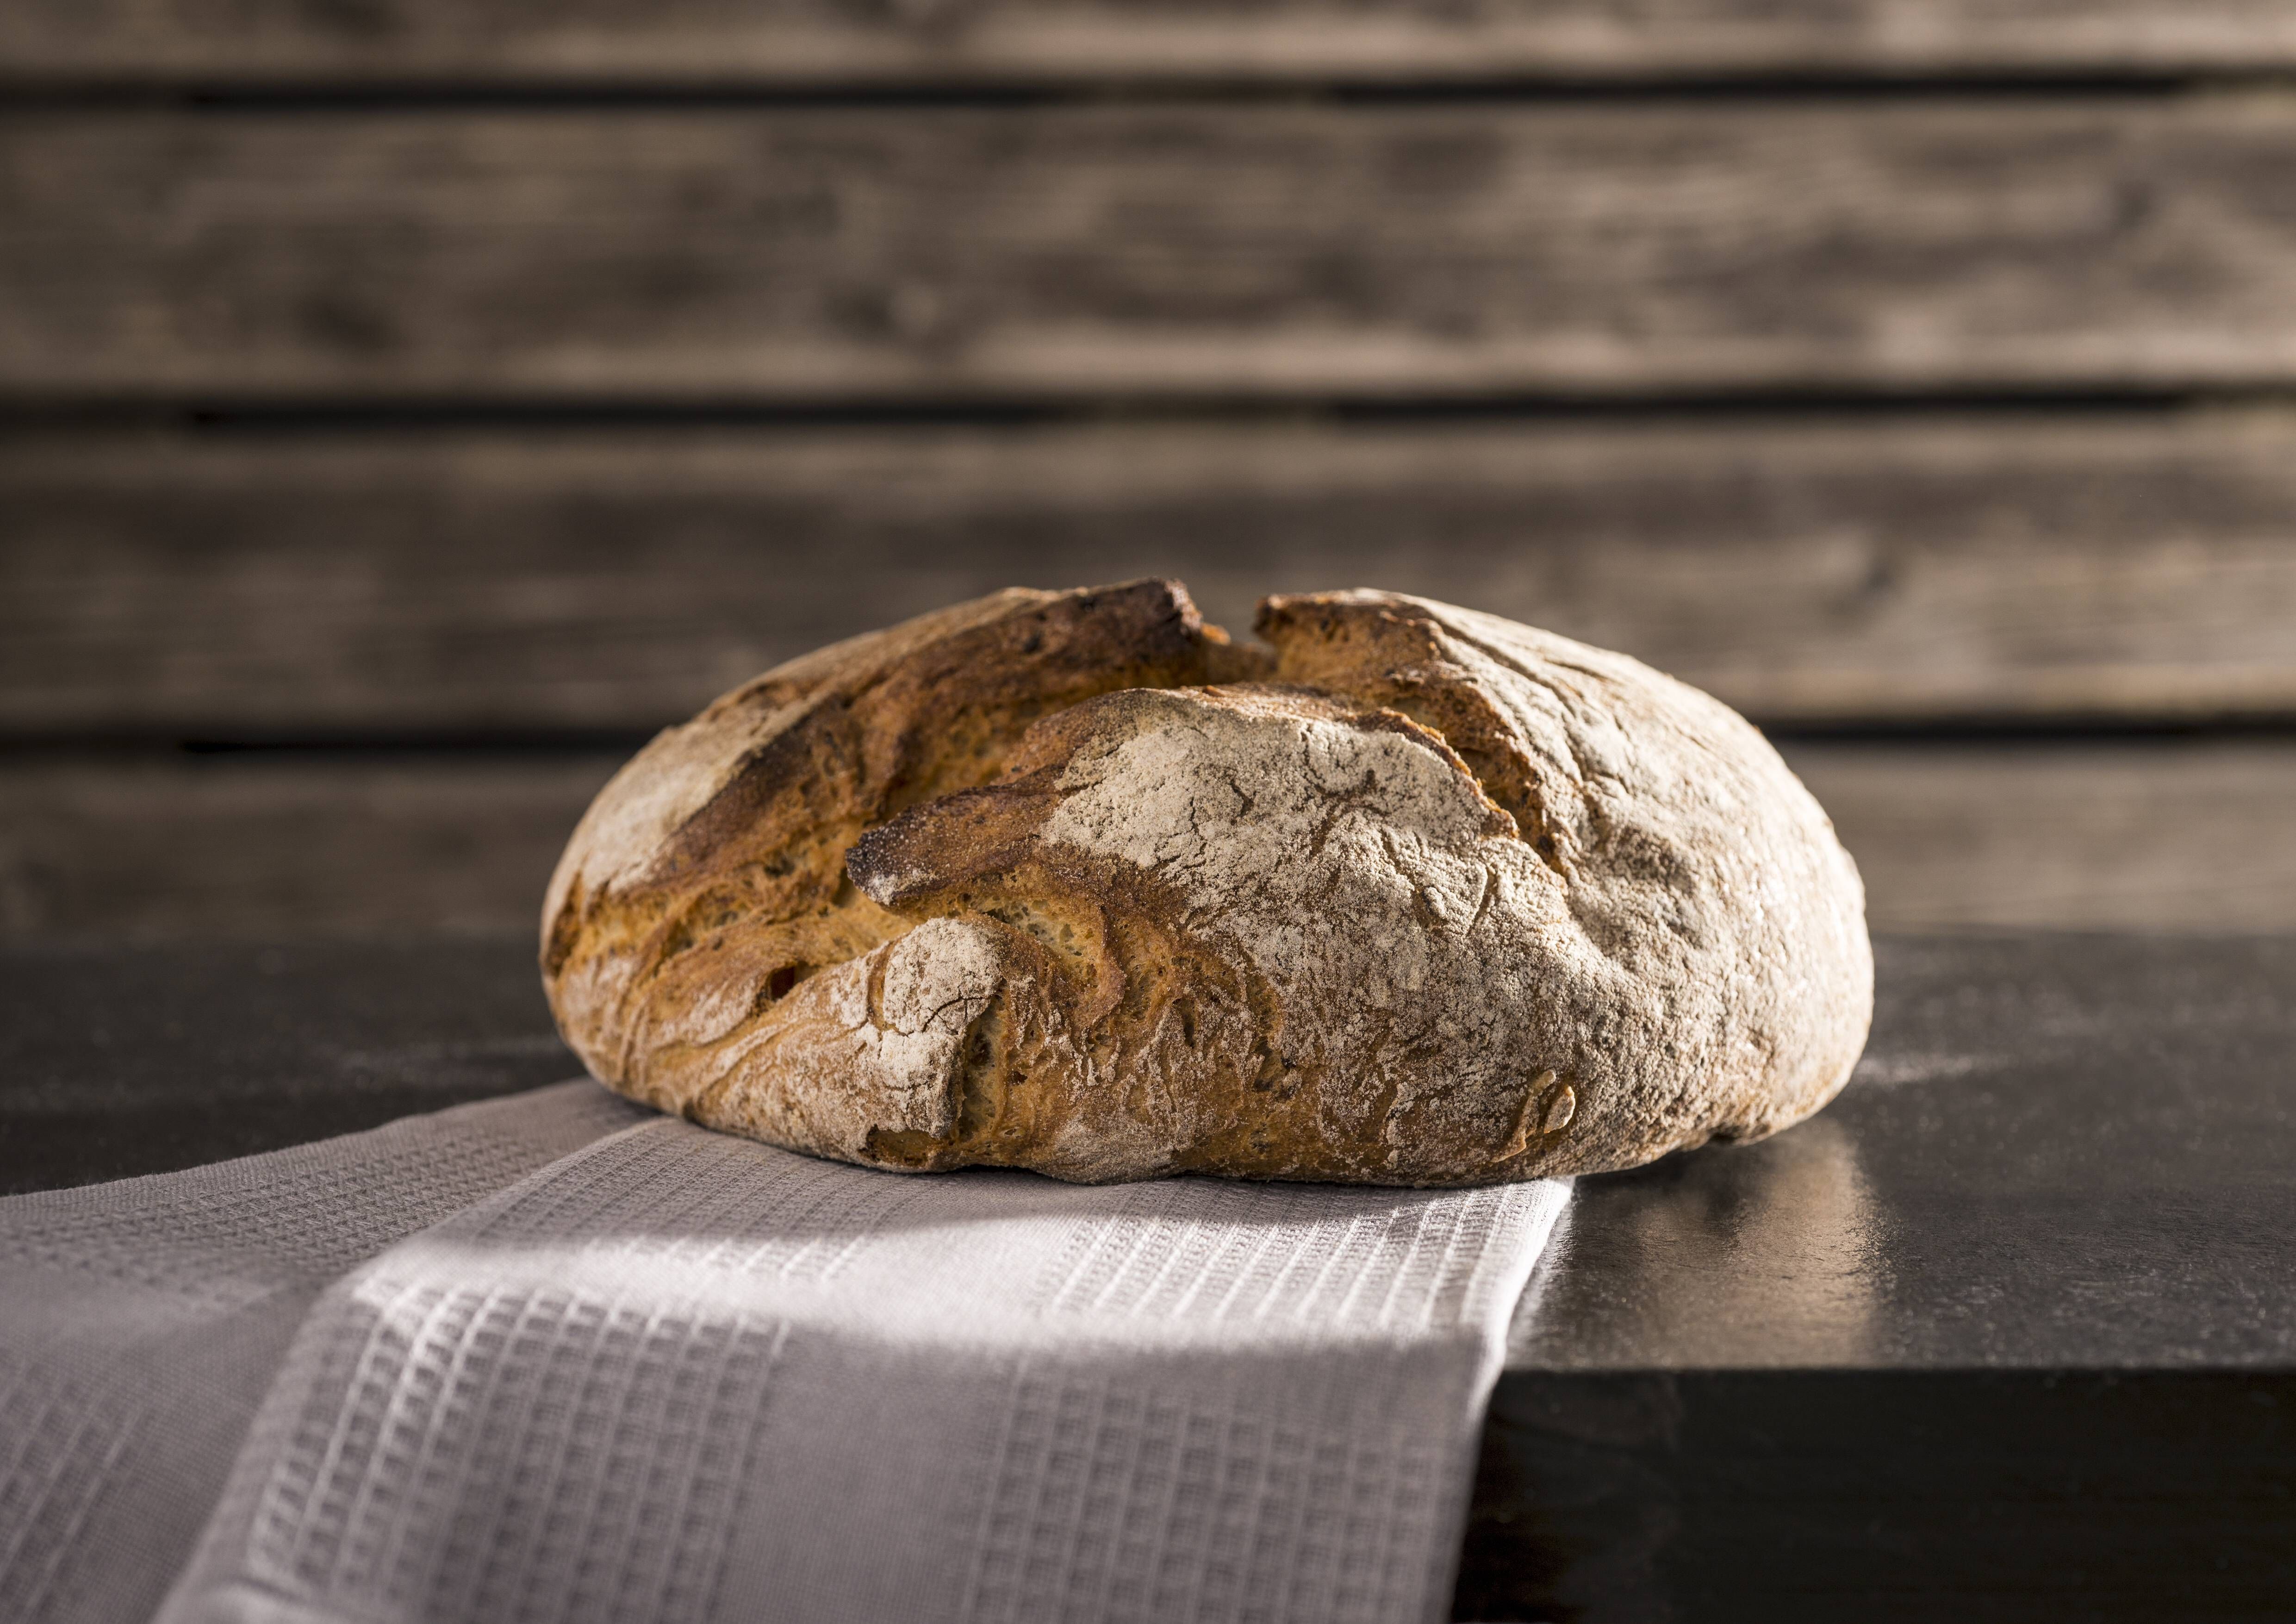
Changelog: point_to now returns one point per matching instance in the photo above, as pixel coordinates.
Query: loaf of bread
(1068, 881)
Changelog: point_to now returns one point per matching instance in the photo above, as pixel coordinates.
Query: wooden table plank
(2144, 836)
(239, 847)
(2174, 836)
(485, 579)
(720, 42)
(728, 253)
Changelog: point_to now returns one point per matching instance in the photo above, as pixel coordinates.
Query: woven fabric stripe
(515, 1454)
(1114, 1503)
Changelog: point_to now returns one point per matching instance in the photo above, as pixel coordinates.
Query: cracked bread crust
(1064, 881)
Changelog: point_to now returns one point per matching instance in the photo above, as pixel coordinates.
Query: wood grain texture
(724, 253)
(941, 42)
(252, 846)
(2183, 836)
(1804, 572)
(2150, 838)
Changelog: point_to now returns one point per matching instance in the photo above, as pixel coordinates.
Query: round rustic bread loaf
(1065, 880)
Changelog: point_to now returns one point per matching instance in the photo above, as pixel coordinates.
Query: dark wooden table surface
(2009, 1331)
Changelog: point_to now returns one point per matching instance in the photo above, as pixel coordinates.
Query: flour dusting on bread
(1068, 881)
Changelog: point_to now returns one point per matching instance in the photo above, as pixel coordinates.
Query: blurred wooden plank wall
(438, 395)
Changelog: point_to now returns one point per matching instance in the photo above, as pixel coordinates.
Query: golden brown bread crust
(1062, 881)
(706, 881)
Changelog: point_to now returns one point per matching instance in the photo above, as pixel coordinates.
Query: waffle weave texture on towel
(669, 1374)
(145, 1319)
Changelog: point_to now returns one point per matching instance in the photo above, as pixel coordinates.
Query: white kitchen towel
(142, 1322)
(679, 1377)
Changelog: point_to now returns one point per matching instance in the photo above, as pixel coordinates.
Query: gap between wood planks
(703, 43)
